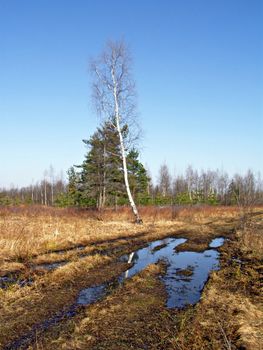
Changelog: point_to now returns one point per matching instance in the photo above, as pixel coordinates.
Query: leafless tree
(113, 92)
(45, 186)
(189, 174)
(164, 181)
(222, 186)
(179, 185)
(51, 177)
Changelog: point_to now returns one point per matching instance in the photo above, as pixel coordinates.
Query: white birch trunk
(123, 154)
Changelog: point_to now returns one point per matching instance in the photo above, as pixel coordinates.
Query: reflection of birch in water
(130, 257)
(129, 262)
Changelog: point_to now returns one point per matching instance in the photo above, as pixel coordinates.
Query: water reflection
(217, 242)
(186, 289)
(182, 288)
(149, 255)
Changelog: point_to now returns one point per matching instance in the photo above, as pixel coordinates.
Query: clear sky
(198, 67)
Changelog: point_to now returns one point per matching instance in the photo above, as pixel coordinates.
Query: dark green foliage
(138, 178)
(5, 200)
(99, 181)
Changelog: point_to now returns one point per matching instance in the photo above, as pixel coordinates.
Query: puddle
(62, 251)
(217, 242)
(139, 260)
(54, 265)
(186, 275)
(87, 296)
(181, 289)
(8, 281)
(149, 255)
(50, 266)
(92, 294)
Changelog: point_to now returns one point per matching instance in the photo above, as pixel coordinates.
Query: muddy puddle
(7, 281)
(185, 277)
(13, 279)
(217, 242)
(50, 266)
(186, 274)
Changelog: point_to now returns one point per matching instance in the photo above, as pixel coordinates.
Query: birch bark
(113, 94)
(123, 153)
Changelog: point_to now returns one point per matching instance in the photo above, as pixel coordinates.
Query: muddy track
(182, 289)
(120, 245)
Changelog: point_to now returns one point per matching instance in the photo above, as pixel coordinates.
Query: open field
(48, 256)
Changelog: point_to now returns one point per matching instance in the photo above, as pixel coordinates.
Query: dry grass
(132, 317)
(251, 239)
(29, 231)
(21, 308)
(228, 316)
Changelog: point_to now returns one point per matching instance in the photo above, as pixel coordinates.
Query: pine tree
(101, 175)
(73, 194)
(138, 177)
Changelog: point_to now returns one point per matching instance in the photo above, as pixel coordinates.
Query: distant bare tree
(113, 95)
(164, 181)
(190, 176)
(179, 185)
(45, 186)
(51, 177)
(32, 191)
(222, 186)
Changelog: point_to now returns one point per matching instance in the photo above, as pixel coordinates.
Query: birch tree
(189, 174)
(164, 180)
(113, 92)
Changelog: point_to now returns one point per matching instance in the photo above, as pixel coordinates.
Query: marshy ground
(49, 256)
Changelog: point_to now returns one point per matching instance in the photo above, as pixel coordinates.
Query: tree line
(98, 183)
(46, 192)
(208, 187)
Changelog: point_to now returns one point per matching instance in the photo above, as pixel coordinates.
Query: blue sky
(198, 67)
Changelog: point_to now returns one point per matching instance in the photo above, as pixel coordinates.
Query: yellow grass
(29, 231)
(30, 236)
